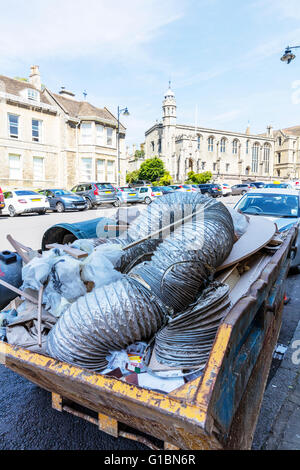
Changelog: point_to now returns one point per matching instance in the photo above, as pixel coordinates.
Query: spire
(248, 128)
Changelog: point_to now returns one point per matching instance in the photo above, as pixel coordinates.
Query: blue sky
(221, 55)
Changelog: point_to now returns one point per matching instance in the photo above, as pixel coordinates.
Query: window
(203, 165)
(86, 169)
(36, 130)
(13, 126)
(152, 145)
(210, 144)
(223, 145)
(266, 158)
(99, 134)
(214, 166)
(109, 140)
(278, 157)
(198, 142)
(86, 133)
(254, 167)
(32, 94)
(110, 170)
(38, 169)
(234, 147)
(159, 145)
(247, 146)
(100, 170)
(279, 141)
(227, 167)
(15, 171)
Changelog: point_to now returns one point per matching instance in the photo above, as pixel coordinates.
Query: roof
(293, 192)
(80, 109)
(15, 87)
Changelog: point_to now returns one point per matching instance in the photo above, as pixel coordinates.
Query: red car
(2, 203)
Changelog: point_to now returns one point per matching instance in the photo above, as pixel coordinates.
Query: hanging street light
(288, 56)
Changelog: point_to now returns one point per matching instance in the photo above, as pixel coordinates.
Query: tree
(165, 180)
(139, 154)
(152, 169)
(132, 176)
(199, 178)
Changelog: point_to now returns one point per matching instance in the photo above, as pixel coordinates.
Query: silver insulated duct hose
(183, 263)
(108, 318)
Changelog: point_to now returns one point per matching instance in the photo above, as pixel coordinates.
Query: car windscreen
(156, 189)
(276, 205)
(129, 190)
(26, 193)
(62, 192)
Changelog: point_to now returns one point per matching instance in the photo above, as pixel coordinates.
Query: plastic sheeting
(108, 318)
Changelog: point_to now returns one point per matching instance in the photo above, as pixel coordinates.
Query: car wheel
(116, 203)
(147, 200)
(43, 212)
(60, 207)
(89, 203)
(12, 211)
(243, 192)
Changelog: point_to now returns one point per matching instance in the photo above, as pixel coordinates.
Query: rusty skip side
(200, 414)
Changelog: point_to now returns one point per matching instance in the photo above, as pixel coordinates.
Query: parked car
(147, 194)
(166, 189)
(281, 205)
(128, 195)
(238, 189)
(183, 187)
(61, 200)
(96, 194)
(211, 189)
(24, 201)
(226, 189)
(257, 184)
(278, 185)
(2, 202)
(139, 183)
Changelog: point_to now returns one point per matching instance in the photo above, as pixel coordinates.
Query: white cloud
(73, 29)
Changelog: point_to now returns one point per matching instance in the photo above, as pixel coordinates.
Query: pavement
(278, 426)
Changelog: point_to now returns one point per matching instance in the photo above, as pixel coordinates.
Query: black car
(61, 200)
(214, 190)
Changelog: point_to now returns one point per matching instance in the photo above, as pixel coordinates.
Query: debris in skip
(143, 306)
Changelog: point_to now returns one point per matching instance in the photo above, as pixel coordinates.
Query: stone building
(230, 156)
(53, 140)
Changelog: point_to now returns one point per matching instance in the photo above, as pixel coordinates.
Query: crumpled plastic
(240, 222)
(97, 268)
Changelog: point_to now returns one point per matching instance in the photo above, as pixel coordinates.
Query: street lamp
(288, 56)
(125, 112)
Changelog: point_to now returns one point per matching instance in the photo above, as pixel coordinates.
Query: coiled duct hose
(160, 213)
(108, 318)
(183, 263)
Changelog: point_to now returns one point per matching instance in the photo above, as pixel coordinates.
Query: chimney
(66, 93)
(35, 77)
(270, 131)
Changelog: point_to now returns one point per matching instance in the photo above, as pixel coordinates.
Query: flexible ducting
(183, 263)
(187, 339)
(109, 318)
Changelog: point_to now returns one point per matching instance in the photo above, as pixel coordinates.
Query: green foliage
(21, 79)
(132, 176)
(199, 178)
(166, 179)
(152, 169)
(139, 154)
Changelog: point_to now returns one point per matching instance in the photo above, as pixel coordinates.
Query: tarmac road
(27, 420)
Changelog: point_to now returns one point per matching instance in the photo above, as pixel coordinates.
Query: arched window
(210, 144)
(255, 150)
(223, 145)
(235, 146)
(266, 158)
(247, 146)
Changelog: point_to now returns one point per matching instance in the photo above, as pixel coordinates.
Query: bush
(199, 178)
(152, 169)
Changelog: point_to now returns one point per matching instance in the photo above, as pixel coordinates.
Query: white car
(24, 201)
(226, 189)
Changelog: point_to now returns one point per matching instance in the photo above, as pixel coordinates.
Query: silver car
(282, 206)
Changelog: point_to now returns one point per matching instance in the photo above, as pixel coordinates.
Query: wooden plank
(108, 425)
(18, 291)
(78, 254)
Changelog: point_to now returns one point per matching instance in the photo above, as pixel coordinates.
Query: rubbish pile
(98, 303)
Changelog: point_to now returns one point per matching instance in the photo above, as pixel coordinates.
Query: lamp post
(288, 56)
(125, 112)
